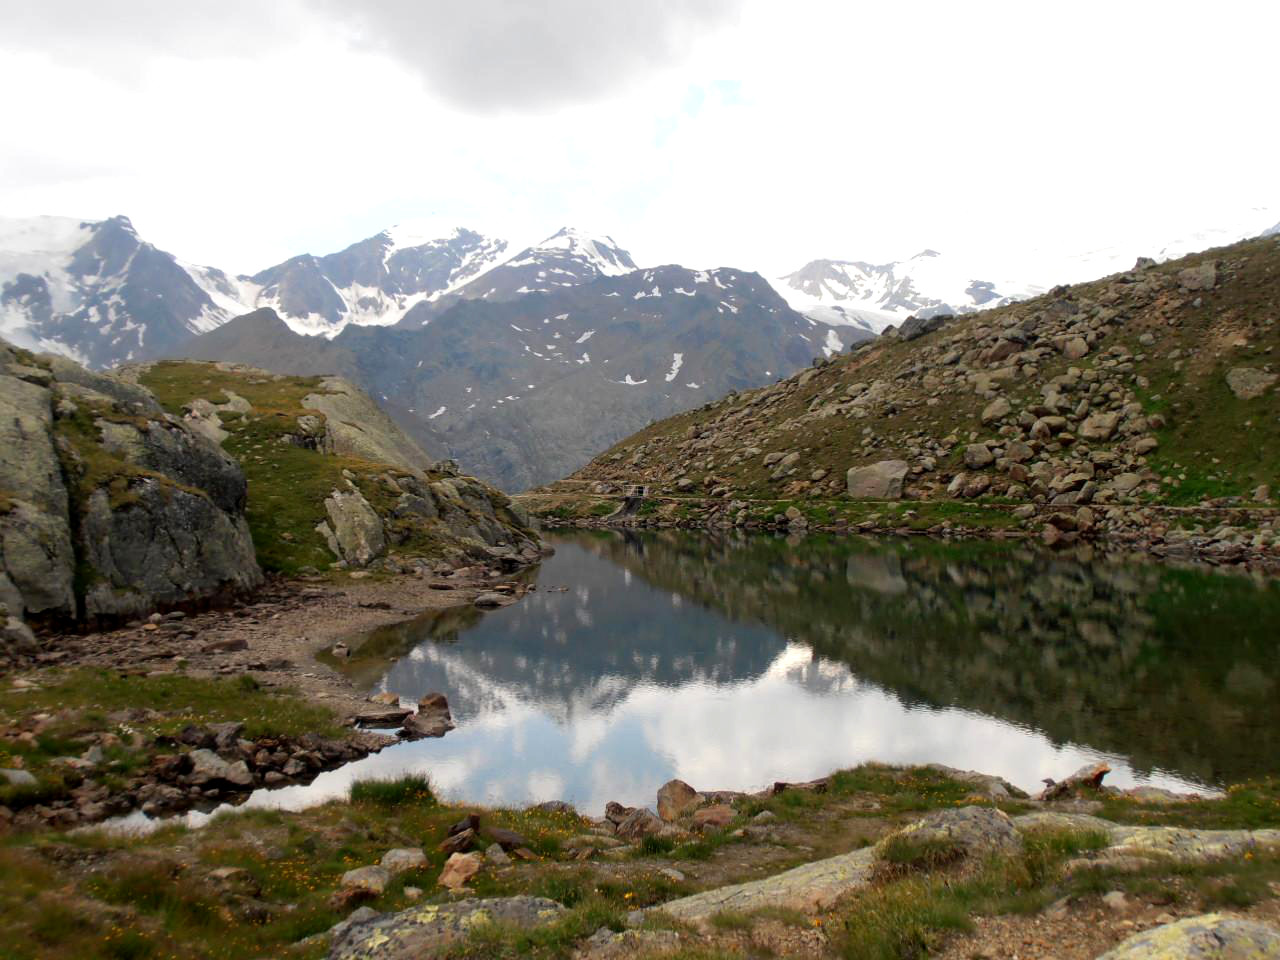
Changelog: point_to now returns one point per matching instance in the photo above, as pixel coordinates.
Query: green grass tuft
(411, 788)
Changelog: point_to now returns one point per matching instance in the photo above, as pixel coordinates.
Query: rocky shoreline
(269, 639)
(1222, 535)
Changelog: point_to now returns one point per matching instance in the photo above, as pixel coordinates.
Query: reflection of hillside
(1172, 668)
(572, 653)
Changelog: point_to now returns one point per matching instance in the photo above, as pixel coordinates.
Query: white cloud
(758, 139)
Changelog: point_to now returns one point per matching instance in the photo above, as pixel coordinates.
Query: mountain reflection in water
(731, 662)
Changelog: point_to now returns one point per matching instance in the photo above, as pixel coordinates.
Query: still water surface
(731, 662)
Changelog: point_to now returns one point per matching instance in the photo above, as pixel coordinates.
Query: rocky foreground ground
(872, 862)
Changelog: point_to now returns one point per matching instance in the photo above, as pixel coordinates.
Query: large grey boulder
(1210, 936)
(972, 831)
(164, 546)
(108, 506)
(423, 931)
(355, 531)
(879, 481)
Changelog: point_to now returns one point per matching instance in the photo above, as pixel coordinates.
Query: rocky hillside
(331, 480)
(109, 507)
(1154, 385)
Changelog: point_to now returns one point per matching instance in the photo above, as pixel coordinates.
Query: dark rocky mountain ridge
(523, 390)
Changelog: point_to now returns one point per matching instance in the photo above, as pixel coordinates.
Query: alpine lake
(734, 661)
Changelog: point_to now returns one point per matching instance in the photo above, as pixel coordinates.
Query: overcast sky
(708, 132)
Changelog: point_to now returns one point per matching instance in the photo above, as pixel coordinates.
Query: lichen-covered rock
(420, 931)
(1210, 936)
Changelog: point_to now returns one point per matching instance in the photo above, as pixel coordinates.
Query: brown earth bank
(259, 646)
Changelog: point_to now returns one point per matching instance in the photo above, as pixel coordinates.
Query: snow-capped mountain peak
(95, 291)
(598, 249)
(873, 296)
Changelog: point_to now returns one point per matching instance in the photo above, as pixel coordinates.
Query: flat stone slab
(811, 886)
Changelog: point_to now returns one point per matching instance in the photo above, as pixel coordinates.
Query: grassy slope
(1213, 445)
(287, 483)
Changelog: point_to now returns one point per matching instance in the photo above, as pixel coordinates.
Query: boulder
(355, 426)
(382, 716)
(1126, 483)
(674, 798)
(1248, 383)
(424, 931)
(17, 778)
(977, 456)
(403, 859)
(1100, 426)
(354, 532)
(915, 327)
(158, 521)
(971, 831)
(17, 637)
(1075, 348)
(640, 823)
(996, 410)
(506, 839)
(1087, 779)
(1201, 277)
(495, 856)
(458, 842)
(426, 724)
(1210, 936)
(371, 880)
(458, 869)
(714, 817)
(879, 481)
(209, 768)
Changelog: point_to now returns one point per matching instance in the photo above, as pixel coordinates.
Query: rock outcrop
(334, 480)
(109, 507)
(355, 426)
